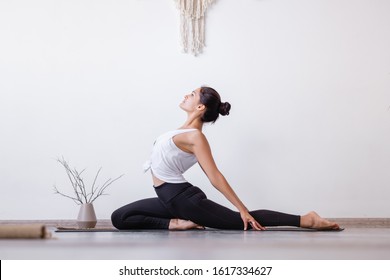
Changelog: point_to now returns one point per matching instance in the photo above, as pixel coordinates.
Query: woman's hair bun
(224, 108)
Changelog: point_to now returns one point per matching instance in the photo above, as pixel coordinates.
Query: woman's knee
(116, 219)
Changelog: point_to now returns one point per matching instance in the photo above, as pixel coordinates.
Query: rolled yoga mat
(27, 231)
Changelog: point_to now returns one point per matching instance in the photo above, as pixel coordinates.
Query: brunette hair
(212, 100)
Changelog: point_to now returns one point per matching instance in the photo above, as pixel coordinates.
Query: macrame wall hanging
(192, 18)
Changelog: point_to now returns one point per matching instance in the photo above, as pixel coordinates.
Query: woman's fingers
(247, 218)
(255, 225)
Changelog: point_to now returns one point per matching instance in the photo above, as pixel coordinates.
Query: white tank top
(168, 162)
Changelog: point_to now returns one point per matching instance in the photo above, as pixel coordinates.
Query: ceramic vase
(86, 217)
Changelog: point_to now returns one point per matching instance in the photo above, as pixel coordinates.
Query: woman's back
(167, 161)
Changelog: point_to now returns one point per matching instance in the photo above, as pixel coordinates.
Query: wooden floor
(370, 241)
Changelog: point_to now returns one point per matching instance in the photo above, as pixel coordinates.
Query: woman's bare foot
(178, 224)
(314, 221)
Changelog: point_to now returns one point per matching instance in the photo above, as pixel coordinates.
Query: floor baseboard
(56, 223)
(344, 222)
(363, 222)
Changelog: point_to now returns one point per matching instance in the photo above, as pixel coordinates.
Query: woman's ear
(201, 107)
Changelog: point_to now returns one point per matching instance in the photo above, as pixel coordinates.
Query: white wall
(96, 81)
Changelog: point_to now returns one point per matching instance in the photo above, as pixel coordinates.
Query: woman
(180, 205)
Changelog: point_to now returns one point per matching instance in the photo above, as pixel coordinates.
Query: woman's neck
(193, 123)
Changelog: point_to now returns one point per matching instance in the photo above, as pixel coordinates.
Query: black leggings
(188, 202)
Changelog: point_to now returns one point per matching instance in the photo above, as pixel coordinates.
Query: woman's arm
(201, 149)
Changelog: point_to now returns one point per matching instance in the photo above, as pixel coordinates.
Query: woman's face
(191, 101)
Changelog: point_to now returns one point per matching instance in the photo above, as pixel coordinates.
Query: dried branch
(93, 185)
(76, 200)
(103, 188)
(70, 176)
(78, 185)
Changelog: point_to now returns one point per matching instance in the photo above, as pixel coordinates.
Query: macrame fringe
(192, 17)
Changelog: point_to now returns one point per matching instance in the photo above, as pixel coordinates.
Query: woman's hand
(199, 146)
(247, 218)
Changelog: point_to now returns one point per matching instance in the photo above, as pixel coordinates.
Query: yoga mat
(100, 229)
(67, 229)
(27, 231)
(301, 229)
